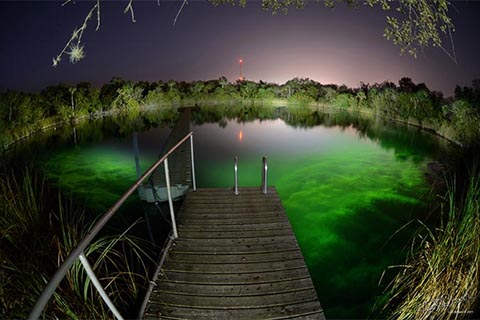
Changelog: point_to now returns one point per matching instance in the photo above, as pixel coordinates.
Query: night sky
(344, 46)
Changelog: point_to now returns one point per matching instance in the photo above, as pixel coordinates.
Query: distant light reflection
(240, 135)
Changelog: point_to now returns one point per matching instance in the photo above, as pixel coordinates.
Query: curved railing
(77, 253)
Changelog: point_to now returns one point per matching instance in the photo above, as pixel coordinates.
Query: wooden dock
(236, 257)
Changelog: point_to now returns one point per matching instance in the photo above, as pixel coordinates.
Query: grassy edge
(45, 227)
(440, 278)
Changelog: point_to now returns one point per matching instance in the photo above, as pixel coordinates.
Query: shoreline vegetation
(455, 119)
(45, 226)
(449, 252)
(440, 278)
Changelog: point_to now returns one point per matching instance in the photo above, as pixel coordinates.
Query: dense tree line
(457, 118)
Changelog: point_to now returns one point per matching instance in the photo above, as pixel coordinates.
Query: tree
(128, 97)
(145, 86)
(171, 84)
(109, 91)
(248, 89)
(196, 90)
(406, 85)
(87, 98)
(8, 107)
(222, 81)
(72, 91)
(410, 24)
(292, 86)
(361, 97)
(330, 93)
(55, 98)
(465, 120)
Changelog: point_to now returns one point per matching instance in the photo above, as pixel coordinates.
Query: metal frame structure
(78, 252)
(235, 176)
(264, 185)
(264, 175)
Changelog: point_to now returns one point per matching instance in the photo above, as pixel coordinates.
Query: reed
(440, 279)
(38, 229)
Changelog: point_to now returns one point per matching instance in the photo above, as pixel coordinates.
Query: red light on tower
(240, 62)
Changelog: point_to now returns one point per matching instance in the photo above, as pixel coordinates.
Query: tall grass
(441, 279)
(38, 229)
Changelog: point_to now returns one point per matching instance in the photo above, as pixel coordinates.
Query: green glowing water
(91, 171)
(347, 187)
(344, 196)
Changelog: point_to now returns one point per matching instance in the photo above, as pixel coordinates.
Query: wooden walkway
(236, 258)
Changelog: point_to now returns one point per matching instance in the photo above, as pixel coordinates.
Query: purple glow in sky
(343, 46)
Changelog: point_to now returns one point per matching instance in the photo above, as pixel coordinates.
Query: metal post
(137, 154)
(170, 202)
(75, 136)
(193, 164)
(235, 175)
(98, 286)
(264, 176)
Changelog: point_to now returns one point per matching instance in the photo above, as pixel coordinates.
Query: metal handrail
(264, 175)
(192, 159)
(98, 286)
(235, 176)
(75, 254)
(170, 201)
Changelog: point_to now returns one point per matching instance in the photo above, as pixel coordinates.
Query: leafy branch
(74, 48)
(411, 24)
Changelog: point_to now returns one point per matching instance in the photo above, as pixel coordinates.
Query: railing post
(235, 176)
(137, 154)
(264, 175)
(98, 286)
(193, 164)
(170, 202)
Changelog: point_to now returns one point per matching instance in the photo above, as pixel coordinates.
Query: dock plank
(214, 258)
(236, 290)
(304, 310)
(236, 257)
(238, 249)
(235, 278)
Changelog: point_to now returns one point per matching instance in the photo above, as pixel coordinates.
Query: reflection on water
(240, 135)
(347, 183)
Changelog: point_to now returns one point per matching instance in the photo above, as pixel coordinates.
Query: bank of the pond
(23, 133)
(369, 113)
(54, 123)
(455, 118)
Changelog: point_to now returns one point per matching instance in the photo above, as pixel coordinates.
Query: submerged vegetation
(38, 229)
